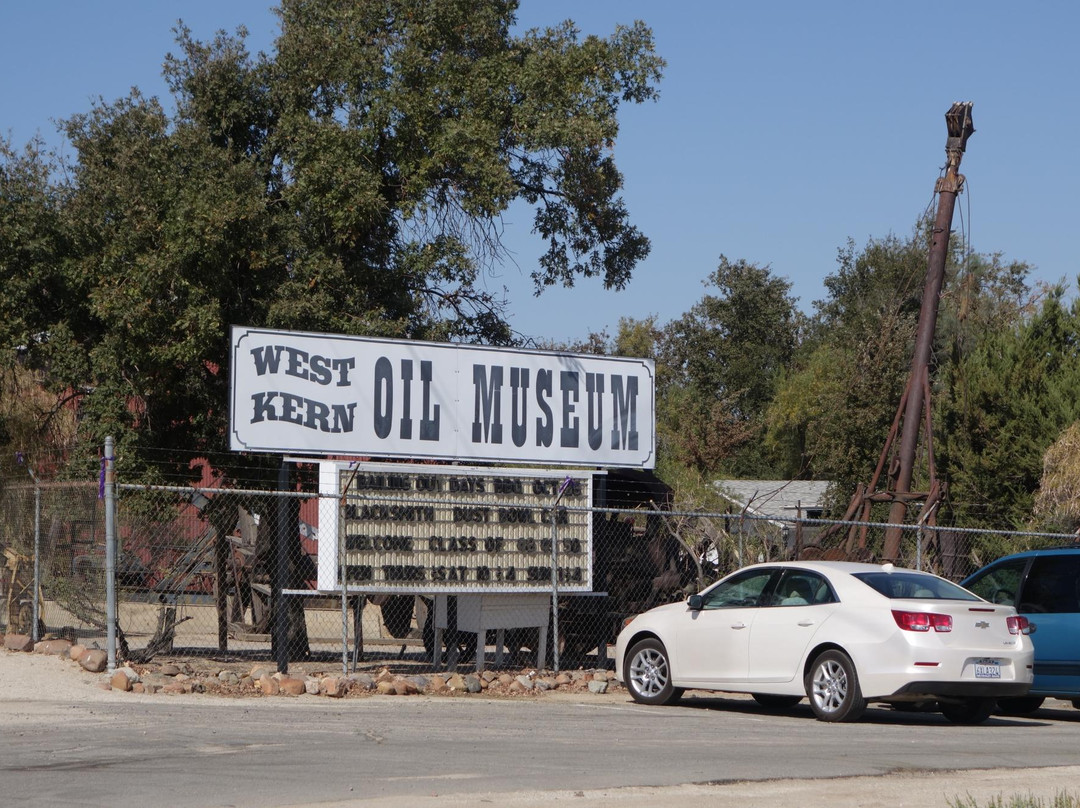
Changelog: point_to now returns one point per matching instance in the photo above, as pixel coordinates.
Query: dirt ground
(50, 683)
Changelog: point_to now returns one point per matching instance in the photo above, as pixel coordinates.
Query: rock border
(261, 679)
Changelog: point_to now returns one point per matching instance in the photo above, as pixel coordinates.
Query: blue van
(1044, 586)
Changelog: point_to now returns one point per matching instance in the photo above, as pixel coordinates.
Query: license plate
(987, 669)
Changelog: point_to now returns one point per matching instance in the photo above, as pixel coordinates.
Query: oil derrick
(897, 460)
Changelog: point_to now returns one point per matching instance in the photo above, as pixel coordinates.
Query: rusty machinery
(897, 459)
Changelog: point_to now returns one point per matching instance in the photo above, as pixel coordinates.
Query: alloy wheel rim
(649, 672)
(830, 686)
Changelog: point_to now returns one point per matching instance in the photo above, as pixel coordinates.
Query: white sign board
(303, 393)
(411, 528)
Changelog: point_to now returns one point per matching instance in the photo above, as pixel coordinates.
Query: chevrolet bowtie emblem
(982, 624)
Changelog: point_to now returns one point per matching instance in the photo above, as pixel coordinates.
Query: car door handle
(738, 625)
(807, 622)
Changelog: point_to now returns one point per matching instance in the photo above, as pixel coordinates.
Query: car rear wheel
(968, 711)
(648, 673)
(1020, 705)
(832, 685)
(775, 702)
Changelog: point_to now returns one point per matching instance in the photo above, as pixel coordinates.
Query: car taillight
(922, 621)
(1018, 624)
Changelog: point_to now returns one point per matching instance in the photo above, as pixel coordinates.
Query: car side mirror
(695, 602)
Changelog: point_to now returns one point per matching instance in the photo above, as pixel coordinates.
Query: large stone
(385, 688)
(598, 686)
(311, 686)
(291, 686)
(129, 672)
(18, 642)
(269, 686)
(120, 681)
(405, 687)
(361, 681)
(76, 651)
(53, 647)
(334, 687)
(228, 678)
(473, 684)
(456, 682)
(94, 660)
(168, 669)
(525, 681)
(261, 670)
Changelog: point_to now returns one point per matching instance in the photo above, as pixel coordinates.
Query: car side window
(742, 590)
(1000, 583)
(1051, 585)
(802, 588)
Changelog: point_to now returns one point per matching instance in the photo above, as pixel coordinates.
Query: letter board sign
(409, 528)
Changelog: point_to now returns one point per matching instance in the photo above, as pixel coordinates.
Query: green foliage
(1001, 406)
(351, 181)
(833, 408)
(835, 405)
(720, 373)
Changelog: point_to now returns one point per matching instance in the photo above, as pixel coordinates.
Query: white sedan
(841, 634)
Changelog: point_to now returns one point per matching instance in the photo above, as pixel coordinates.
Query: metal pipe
(960, 127)
(34, 633)
(109, 490)
(555, 575)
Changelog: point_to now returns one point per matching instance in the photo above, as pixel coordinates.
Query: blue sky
(783, 128)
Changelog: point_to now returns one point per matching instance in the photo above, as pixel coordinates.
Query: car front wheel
(832, 685)
(648, 673)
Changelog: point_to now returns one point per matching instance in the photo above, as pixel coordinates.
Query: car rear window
(913, 585)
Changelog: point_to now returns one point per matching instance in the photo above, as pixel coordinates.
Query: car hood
(677, 607)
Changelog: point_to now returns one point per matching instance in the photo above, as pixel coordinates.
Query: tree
(1002, 405)
(351, 181)
(721, 369)
(32, 297)
(832, 412)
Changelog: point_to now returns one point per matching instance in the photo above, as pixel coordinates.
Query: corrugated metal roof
(776, 499)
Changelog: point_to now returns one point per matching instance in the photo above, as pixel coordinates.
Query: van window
(1000, 583)
(1052, 585)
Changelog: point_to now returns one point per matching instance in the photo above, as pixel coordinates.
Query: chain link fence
(397, 565)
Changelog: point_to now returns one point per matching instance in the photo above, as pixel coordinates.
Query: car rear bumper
(965, 689)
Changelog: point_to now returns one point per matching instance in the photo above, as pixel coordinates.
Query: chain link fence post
(108, 485)
(555, 586)
(35, 632)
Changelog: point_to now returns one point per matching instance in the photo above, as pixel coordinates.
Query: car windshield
(913, 585)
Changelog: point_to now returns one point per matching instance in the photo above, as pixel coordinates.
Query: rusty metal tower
(914, 409)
